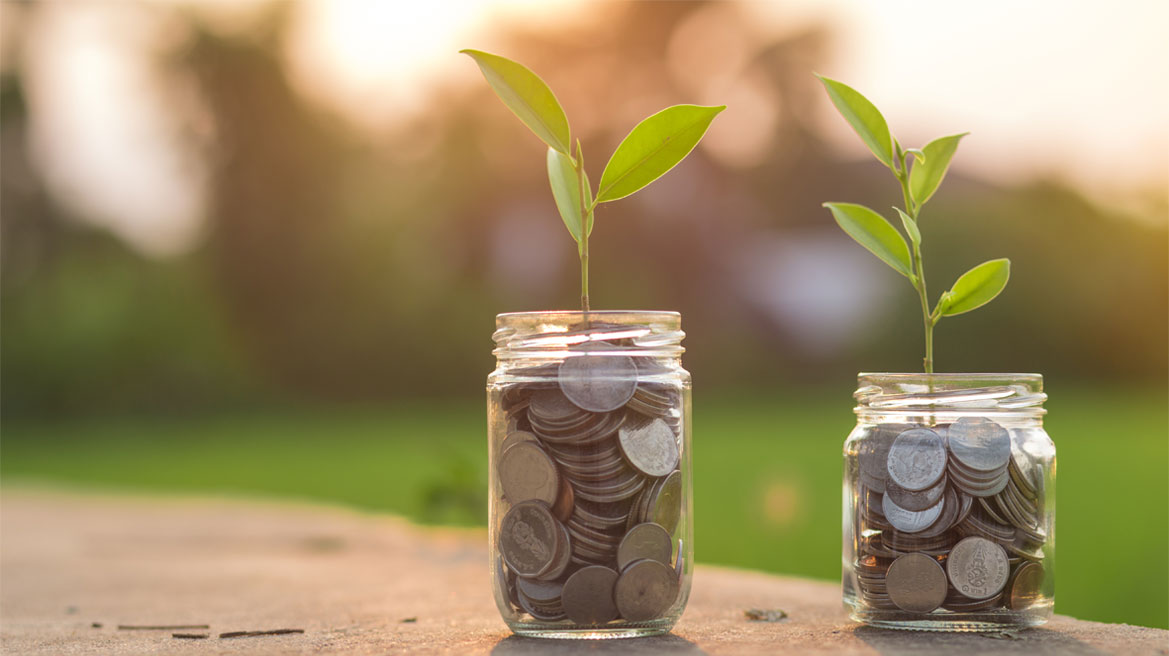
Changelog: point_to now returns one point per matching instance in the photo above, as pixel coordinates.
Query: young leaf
(910, 226)
(928, 172)
(975, 288)
(653, 147)
(864, 117)
(526, 95)
(566, 191)
(872, 231)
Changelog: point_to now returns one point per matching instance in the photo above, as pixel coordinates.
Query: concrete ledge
(353, 582)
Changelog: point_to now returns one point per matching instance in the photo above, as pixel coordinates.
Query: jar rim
(574, 315)
(920, 394)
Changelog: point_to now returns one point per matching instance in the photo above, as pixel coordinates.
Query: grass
(766, 476)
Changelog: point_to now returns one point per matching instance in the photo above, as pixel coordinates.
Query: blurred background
(257, 248)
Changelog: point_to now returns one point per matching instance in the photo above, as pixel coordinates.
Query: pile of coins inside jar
(949, 517)
(589, 473)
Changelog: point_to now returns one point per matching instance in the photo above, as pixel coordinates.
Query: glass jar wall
(589, 453)
(949, 503)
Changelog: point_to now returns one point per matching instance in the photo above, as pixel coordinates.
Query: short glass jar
(949, 503)
(589, 521)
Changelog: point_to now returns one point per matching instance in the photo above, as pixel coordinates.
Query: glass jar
(589, 452)
(949, 503)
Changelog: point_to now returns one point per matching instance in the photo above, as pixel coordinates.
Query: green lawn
(767, 476)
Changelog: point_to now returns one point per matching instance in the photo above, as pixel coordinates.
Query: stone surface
(360, 584)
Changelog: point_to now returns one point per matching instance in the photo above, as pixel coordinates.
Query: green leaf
(527, 96)
(566, 191)
(654, 147)
(917, 153)
(872, 231)
(975, 288)
(928, 172)
(864, 117)
(910, 226)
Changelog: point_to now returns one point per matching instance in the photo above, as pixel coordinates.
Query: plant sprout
(974, 288)
(652, 148)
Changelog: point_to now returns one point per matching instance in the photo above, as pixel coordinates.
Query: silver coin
(1026, 586)
(645, 541)
(541, 592)
(978, 568)
(645, 590)
(515, 437)
(908, 521)
(552, 405)
(916, 583)
(527, 472)
(915, 501)
(528, 538)
(980, 444)
(563, 557)
(917, 459)
(588, 595)
(598, 383)
(649, 447)
(666, 508)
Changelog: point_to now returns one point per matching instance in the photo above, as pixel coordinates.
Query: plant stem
(919, 269)
(584, 233)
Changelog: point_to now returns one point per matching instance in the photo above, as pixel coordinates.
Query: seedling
(973, 289)
(652, 148)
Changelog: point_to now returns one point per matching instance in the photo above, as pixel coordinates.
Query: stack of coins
(947, 517)
(589, 471)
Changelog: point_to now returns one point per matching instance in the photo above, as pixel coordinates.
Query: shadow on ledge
(663, 644)
(1033, 642)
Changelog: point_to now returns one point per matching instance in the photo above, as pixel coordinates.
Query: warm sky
(1065, 88)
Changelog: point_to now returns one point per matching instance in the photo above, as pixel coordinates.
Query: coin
(515, 437)
(916, 583)
(645, 541)
(980, 444)
(1026, 586)
(977, 568)
(917, 459)
(915, 500)
(873, 454)
(666, 505)
(649, 447)
(645, 590)
(562, 509)
(907, 520)
(527, 472)
(588, 595)
(562, 559)
(598, 383)
(540, 592)
(528, 537)
(552, 405)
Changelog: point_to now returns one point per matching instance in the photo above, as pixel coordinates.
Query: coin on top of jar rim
(645, 541)
(598, 383)
(917, 459)
(649, 447)
(645, 590)
(527, 472)
(528, 538)
(588, 595)
(1026, 586)
(916, 583)
(978, 568)
(908, 521)
(980, 444)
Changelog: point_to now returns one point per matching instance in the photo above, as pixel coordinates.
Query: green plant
(653, 147)
(973, 289)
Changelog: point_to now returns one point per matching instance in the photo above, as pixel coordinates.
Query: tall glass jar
(949, 503)
(590, 498)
